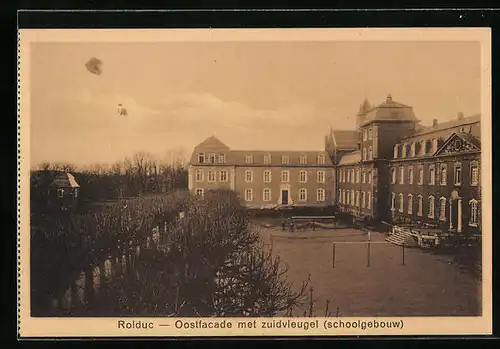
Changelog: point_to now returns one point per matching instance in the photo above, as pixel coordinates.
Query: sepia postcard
(254, 182)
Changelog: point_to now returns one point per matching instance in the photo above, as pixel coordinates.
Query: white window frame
(432, 175)
(401, 202)
(201, 158)
(393, 175)
(223, 173)
(370, 153)
(396, 151)
(442, 208)
(412, 149)
(303, 159)
(364, 153)
(60, 192)
(269, 179)
(285, 176)
(474, 181)
(266, 192)
(267, 159)
(443, 169)
(200, 192)
(285, 159)
(457, 168)
(369, 200)
(474, 213)
(249, 159)
(320, 176)
(401, 175)
(393, 201)
(410, 204)
(248, 179)
(321, 159)
(432, 207)
(357, 198)
(410, 174)
(363, 199)
(211, 176)
(358, 176)
(212, 158)
(302, 194)
(222, 158)
(302, 176)
(320, 195)
(248, 194)
(420, 175)
(369, 177)
(199, 178)
(420, 205)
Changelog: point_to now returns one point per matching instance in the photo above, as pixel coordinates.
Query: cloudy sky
(251, 95)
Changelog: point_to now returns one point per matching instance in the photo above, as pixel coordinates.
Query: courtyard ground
(426, 285)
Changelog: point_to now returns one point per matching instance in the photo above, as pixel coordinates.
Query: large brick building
(393, 169)
(435, 176)
(263, 179)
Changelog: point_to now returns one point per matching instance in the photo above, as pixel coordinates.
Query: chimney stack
(434, 122)
(460, 116)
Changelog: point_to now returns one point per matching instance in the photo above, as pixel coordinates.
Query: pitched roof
(65, 180)
(351, 158)
(449, 124)
(213, 143)
(346, 139)
(238, 157)
(390, 110)
(364, 107)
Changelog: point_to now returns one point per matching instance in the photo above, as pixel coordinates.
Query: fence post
(403, 249)
(333, 255)
(368, 245)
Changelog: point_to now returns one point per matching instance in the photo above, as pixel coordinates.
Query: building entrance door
(284, 196)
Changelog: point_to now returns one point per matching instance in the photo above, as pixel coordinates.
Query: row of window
(368, 153)
(442, 175)
(249, 159)
(422, 147)
(353, 176)
(367, 134)
(474, 207)
(352, 197)
(266, 176)
(266, 194)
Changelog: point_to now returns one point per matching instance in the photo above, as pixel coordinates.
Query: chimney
(460, 116)
(434, 122)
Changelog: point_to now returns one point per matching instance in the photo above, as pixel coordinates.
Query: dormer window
(222, 158)
(249, 159)
(267, 158)
(412, 149)
(211, 158)
(285, 159)
(201, 158)
(321, 159)
(396, 151)
(303, 159)
(423, 146)
(403, 155)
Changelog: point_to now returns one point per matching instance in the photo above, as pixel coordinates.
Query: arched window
(432, 175)
(442, 174)
(410, 204)
(396, 150)
(474, 213)
(363, 199)
(457, 174)
(401, 203)
(431, 207)
(474, 173)
(393, 175)
(364, 153)
(393, 201)
(442, 208)
(420, 204)
(357, 198)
